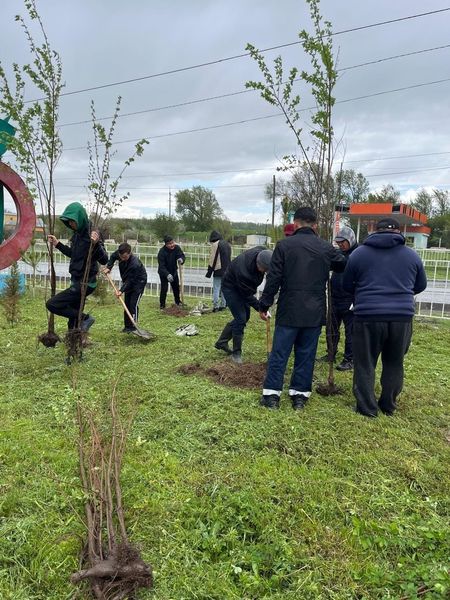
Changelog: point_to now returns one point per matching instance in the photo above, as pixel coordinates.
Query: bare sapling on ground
(37, 147)
(246, 375)
(111, 565)
(329, 388)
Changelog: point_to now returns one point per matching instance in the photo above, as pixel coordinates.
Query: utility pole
(273, 203)
(170, 203)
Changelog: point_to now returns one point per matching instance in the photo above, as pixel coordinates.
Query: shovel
(268, 338)
(146, 335)
(180, 267)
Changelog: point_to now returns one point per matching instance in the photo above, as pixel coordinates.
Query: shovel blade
(142, 333)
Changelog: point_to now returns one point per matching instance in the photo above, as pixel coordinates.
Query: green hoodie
(75, 212)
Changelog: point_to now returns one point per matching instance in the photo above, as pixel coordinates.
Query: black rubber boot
(237, 349)
(224, 338)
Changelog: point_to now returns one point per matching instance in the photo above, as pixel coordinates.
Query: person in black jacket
(169, 257)
(239, 284)
(299, 269)
(383, 274)
(67, 303)
(134, 279)
(219, 259)
(341, 304)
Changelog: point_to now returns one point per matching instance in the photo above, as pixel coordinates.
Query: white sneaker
(181, 330)
(191, 330)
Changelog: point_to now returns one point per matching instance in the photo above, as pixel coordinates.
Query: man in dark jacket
(239, 284)
(384, 275)
(341, 303)
(67, 303)
(299, 269)
(134, 279)
(169, 257)
(219, 259)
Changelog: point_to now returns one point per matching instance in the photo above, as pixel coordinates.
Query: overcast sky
(107, 41)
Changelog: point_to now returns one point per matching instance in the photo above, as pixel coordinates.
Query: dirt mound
(175, 311)
(246, 375)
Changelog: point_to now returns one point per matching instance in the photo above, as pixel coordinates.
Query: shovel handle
(125, 307)
(268, 337)
(180, 267)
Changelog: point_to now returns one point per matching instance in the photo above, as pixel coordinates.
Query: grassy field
(226, 500)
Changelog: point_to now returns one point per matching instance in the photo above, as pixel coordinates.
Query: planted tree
(37, 146)
(104, 200)
(33, 257)
(11, 295)
(321, 80)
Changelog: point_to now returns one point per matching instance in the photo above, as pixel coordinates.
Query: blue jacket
(384, 275)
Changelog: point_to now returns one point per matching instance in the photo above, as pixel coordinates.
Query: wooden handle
(125, 307)
(180, 267)
(268, 336)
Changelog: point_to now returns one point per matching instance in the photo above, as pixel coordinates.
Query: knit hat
(387, 223)
(263, 259)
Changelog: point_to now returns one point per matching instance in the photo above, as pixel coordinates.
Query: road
(437, 292)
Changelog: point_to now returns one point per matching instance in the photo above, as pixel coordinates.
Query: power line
(242, 121)
(228, 95)
(226, 171)
(220, 60)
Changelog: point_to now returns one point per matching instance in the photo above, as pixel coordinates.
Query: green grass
(225, 500)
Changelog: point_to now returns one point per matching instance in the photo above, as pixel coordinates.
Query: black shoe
(325, 359)
(128, 329)
(162, 308)
(272, 402)
(299, 401)
(346, 365)
(369, 415)
(222, 308)
(87, 323)
(223, 346)
(215, 309)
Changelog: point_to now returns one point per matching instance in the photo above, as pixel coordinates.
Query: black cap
(388, 223)
(305, 214)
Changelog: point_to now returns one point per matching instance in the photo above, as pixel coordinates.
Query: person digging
(169, 257)
(134, 280)
(239, 284)
(67, 303)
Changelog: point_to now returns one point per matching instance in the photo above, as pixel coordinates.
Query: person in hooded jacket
(169, 257)
(67, 303)
(384, 275)
(219, 259)
(341, 304)
(134, 279)
(239, 284)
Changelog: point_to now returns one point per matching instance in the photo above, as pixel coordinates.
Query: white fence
(433, 302)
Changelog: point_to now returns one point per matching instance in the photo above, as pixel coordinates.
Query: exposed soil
(246, 375)
(327, 389)
(175, 311)
(49, 340)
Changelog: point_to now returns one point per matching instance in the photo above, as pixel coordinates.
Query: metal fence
(433, 302)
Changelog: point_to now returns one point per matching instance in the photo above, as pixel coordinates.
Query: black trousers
(132, 299)
(340, 315)
(67, 303)
(175, 285)
(391, 340)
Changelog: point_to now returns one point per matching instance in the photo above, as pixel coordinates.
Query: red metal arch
(12, 248)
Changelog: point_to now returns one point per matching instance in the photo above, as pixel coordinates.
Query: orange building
(412, 222)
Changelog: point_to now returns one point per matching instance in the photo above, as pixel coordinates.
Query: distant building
(257, 239)
(10, 223)
(412, 222)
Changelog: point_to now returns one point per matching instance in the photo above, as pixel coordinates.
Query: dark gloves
(209, 272)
